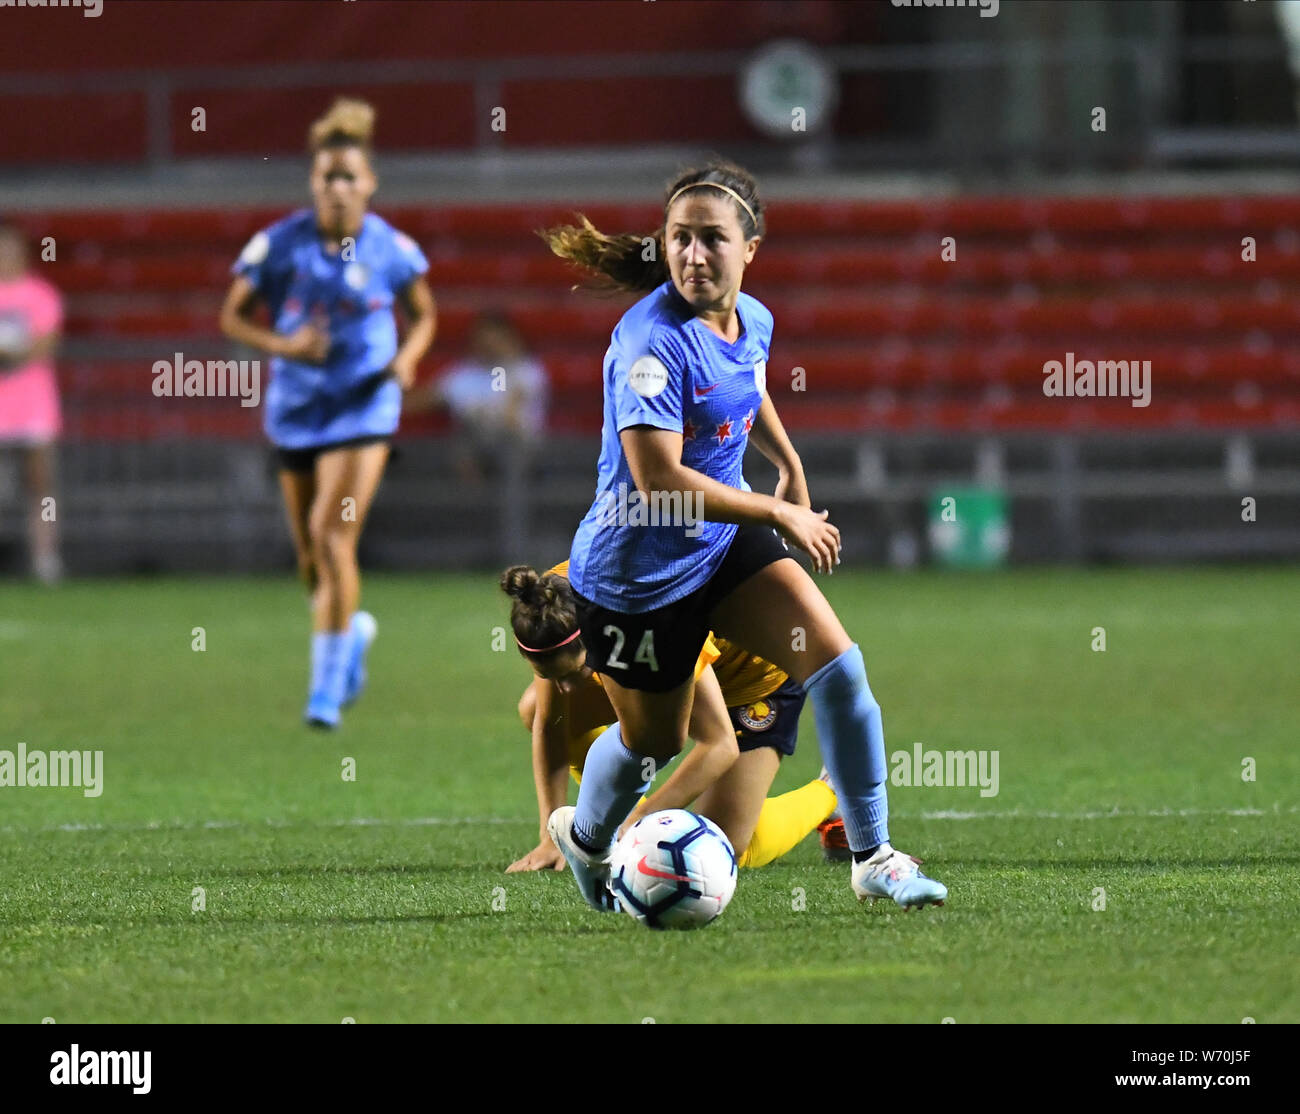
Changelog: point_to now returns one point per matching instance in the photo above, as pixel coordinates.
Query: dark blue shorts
(772, 721)
(655, 651)
(304, 460)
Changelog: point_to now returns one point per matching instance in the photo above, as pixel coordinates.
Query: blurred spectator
(497, 396)
(31, 315)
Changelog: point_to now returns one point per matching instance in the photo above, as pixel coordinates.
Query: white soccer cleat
(590, 871)
(890, 873)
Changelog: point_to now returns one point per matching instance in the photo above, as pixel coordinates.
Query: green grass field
(384, 899)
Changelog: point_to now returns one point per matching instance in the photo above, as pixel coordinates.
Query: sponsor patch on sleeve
(648, 376)
(255, 251)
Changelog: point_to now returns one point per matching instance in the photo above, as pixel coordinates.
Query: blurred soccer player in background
(31, 315)
(330, 277)
(496, 394)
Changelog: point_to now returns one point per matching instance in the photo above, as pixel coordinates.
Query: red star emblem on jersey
(749, 421)
(688, 430)
(724, 431)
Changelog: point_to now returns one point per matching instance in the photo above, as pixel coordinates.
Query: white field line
(451, 821)
(1016, 814)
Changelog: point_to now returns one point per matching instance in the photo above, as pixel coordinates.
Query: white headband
(716, 186)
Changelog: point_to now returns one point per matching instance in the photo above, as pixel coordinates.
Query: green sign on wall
(969, 527)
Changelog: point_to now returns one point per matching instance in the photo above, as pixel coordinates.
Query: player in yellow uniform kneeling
(565, 709)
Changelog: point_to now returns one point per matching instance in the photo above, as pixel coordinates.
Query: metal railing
(1173, 496)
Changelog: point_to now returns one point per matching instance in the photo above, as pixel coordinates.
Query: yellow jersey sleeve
(744, 677)
(708, 655)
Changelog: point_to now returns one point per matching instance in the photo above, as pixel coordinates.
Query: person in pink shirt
(31, 315)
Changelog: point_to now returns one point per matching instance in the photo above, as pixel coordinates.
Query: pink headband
(548, 649)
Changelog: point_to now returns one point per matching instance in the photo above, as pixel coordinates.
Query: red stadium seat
(888, 333)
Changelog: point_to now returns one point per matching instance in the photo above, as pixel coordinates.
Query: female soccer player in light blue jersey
(685, 390)
(330, 277)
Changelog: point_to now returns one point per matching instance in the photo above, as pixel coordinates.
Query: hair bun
(521, 583)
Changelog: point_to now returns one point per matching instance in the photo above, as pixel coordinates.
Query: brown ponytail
(544, 612)
(619, 264)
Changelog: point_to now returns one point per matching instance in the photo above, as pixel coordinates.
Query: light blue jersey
(349, 395)
(665, 368)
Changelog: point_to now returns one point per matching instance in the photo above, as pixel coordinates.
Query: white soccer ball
(673, 869)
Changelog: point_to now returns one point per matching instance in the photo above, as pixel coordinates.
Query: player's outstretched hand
(545, 856)
(307, 344)
(810, 531)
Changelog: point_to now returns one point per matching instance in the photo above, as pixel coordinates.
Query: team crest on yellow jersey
(758, 716)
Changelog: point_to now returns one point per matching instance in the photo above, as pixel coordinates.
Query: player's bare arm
(307, 344)
(550, 773)
(422, 321)
(769, 437)
(654, 457)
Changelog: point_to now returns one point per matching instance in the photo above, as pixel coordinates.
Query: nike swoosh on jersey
(705, 391)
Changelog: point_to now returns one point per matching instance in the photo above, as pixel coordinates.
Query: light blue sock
(336, 669)
(612, 783)
(331, 652)
(354, 644)
(319, 649)
(356, 665)
(852, 738)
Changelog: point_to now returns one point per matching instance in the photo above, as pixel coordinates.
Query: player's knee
(663, 747)
(741, 835)
(317, 533)
(849, 667)
(332, 545)
(720, 808)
